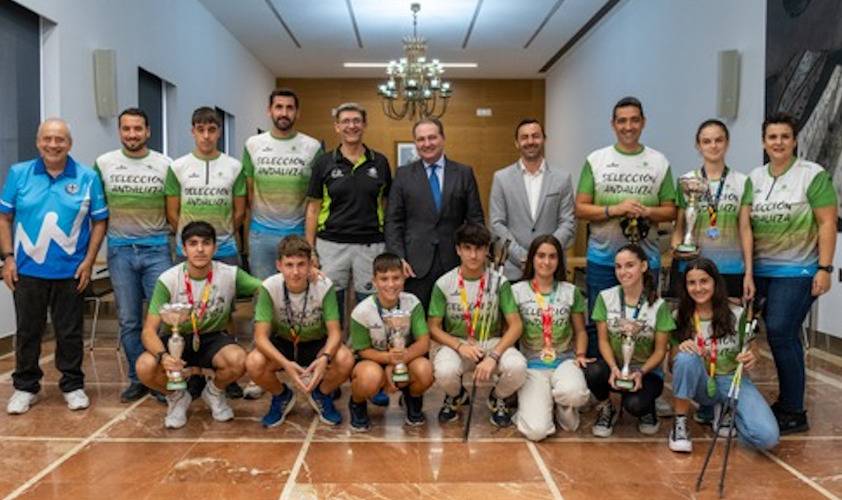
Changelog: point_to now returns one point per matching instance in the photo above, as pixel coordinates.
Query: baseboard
(826, 342)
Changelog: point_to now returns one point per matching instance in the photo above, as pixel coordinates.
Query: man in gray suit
(530, 198)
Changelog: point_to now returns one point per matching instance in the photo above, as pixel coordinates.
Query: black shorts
(307, 351)
(209, 344)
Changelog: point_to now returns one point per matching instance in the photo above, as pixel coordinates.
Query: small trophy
(629, 329)
(397, 324)
(693, 187)
(174, 315)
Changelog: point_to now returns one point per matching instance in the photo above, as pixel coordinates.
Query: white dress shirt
(532, 183)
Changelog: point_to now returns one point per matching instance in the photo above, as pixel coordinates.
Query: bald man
(58, 210)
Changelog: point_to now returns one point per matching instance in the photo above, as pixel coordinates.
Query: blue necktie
(435, 187)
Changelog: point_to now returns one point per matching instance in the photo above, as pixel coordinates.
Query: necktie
(435, 187)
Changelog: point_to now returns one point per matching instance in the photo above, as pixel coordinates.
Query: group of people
(415, 249)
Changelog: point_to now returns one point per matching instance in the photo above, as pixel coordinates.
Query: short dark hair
(528, 121)
(294, 245)
(204, 115)
(711, 122)
(471, 233)
(133, 112)
(283, 92)
(780, 118)
(529, 268)
(350, 106)
(430, 121)
(198, 228)
(627, 101)
(386, 262)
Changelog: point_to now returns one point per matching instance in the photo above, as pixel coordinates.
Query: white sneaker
(725, 426)
(253, 391)
(20, 402)
(679, 439)
(177, 404)
(77, 400)
(568, 417)
(216, 401)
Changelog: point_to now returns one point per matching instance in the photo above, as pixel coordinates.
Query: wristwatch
(828, 268)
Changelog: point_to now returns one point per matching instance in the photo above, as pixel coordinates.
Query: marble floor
(114, 451)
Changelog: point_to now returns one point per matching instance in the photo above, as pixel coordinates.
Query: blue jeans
(756, 424)
(788, 300)
(263, 253)
(134, 269)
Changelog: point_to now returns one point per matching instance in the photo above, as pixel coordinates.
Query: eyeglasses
(351, 121)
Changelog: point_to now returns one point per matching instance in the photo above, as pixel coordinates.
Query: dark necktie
(435, 187)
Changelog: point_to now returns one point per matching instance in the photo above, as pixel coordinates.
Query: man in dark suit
(429, 199)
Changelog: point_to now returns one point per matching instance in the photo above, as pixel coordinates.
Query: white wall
(665, 52)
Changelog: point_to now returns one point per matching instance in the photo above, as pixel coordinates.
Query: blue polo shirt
(52, 216)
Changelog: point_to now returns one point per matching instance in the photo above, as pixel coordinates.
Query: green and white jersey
(726, 249)
(227, 283)
(727, 347)
(280, 169)
(610, 177)
(656, 318)
(207, 189)
(446, 303)
(563, 302)
(368, 331)
(134, 190)
(309, 310)
(785, 229)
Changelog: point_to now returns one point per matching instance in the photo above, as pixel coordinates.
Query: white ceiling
(324, 29)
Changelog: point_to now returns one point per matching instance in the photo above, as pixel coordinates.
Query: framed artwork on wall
(405, 153)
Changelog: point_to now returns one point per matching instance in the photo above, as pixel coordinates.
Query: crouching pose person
(707, 345)
(296, 330)
(387, 360)
(554, 343)
(210, 287)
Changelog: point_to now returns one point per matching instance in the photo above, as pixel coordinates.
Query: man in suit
(430, 198)
(530, 198)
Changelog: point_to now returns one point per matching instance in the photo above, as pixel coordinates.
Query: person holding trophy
(634, 327)
(196, 299)
(554, 343)
(390, 338)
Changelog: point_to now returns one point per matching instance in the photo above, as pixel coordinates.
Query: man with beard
(138, 249)
(530, 198)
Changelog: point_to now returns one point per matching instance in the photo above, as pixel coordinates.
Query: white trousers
(449, 366)
(564, 388)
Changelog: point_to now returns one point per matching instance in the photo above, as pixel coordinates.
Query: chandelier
(415, 89)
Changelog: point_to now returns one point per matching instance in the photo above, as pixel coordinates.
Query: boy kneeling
(383, 362)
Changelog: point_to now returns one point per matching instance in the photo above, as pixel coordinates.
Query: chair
(98, 291)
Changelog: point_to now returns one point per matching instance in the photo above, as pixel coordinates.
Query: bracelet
(328, 356)
(458, 345)
(493, 355)
(581, 354)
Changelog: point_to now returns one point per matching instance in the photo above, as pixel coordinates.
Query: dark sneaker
(648, 424)
(279, 408)
(380, 399)
(451, 405)
(679, 439)
(323, 404)
(159, 396)
(501, 413)
(704, 415)
(234, 391)
(414, 409)
(195, 385)
(792, 422)
(605, 419)
(359, 416)
(133, 392)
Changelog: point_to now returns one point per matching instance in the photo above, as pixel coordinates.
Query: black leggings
(637, 403)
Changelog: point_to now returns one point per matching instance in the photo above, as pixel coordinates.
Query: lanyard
(546, 313)
(623, 305)
(203, 307)
(294, 331)
(470, 315)
(700, 342)
(713, 202)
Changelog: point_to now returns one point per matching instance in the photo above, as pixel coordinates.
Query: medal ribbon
(700, 342)
(470, 315)
(293, 330)
(203, 306)
(623, 305)
(546, 314)
(713, 202)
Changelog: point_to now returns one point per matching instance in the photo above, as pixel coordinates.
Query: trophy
(397, 324)
(693, 187)
(173, 315)
(629, 329)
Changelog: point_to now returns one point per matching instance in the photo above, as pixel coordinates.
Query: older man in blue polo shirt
(57, 208)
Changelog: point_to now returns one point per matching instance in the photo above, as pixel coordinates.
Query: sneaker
(159, 396)
(648, 424)
(77, 400)
(663, 408)
(20, 402)
(380, 399)
(323, 404)
(234, 391)
(720, 422)
(568, 417)
(195, 385)
(252, 391)
(359, 416)
(451, 405)
(704, 415)
(605, 419)
(177, 404)
(414, 409)
(279, 408)
(679, 439)
(792, 422)
(216, 401)
(501, 414)
(133, 392)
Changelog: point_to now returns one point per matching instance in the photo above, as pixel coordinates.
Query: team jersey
(563, 301)
(134, 188)
(207, 189)
(725, 249)
(368, 331)
(227, 283)
(610, 176)
(309, 310)
(656, 317)
(446, 302)
(280, 169)
(727, 347)
(785, 229)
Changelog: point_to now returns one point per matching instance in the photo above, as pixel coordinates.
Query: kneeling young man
(210, 287)
(380, 361)
(296, 329)
(466, 306)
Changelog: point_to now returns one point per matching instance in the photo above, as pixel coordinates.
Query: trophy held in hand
(397, 324)
(693, 188)
(174, 315)
(629, 330)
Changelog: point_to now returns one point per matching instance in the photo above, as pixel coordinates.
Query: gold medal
(548, 355)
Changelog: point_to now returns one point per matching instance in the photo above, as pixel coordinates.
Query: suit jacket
(413, 226)
(511, 217)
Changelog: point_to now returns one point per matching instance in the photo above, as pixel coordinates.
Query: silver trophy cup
(397, 324)
(629, 330)
(693, 187)
(174, 315)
